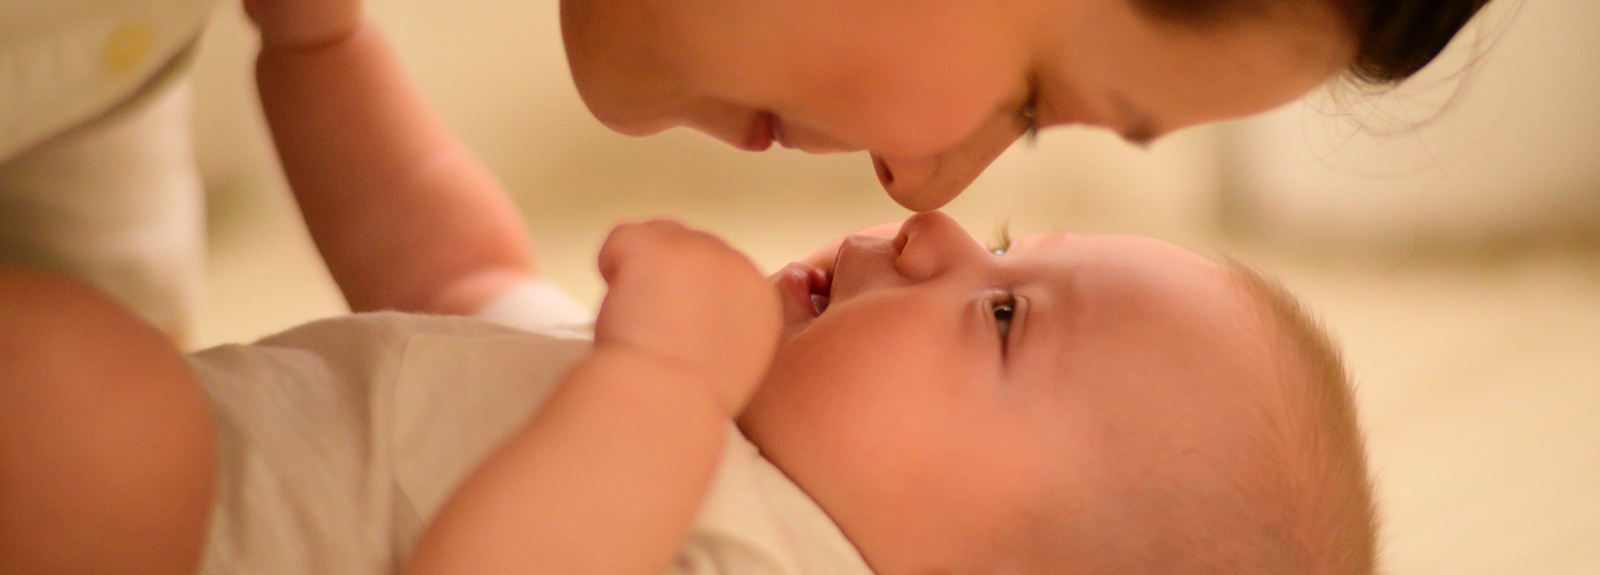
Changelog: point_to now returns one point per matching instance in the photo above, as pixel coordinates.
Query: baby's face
(946, 390)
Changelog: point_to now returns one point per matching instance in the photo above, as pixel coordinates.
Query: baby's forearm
(605, 479)
(401, 211)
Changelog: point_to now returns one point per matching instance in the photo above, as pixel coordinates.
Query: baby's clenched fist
(684, 297)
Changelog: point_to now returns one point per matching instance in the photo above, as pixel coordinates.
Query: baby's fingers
(667, 250)
(632, 242)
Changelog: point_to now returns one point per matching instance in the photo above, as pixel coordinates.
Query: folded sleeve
(535, 305)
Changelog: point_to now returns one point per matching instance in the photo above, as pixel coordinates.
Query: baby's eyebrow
(1033, 240)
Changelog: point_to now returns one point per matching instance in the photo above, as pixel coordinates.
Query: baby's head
(1076, 404)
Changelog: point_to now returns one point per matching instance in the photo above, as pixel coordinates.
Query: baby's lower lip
(802, 288)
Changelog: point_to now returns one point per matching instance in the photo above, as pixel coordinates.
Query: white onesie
(340, 439)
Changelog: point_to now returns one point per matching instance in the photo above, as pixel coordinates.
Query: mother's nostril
(885, 175)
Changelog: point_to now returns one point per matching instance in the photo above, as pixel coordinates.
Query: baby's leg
(106, 455)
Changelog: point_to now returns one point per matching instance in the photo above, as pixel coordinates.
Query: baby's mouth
(821, 290)
(805, 291)
(819, 302)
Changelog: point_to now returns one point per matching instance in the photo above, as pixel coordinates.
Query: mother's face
(934, 89)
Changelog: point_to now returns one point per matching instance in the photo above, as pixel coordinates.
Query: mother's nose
(928, 182)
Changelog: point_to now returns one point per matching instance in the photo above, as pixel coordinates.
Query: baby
(906, 402)
(1066, 404)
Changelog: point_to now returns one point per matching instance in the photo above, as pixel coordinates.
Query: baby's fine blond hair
(1281, 488)
(1316, 504)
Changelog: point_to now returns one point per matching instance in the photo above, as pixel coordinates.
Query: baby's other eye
(1002, 309)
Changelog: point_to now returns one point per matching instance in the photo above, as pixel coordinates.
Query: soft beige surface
(1479, 376)
(1524, 116)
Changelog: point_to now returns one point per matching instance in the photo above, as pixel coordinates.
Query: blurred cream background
(1466, 290)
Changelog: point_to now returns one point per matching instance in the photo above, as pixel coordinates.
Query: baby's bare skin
(404, 215)
(106, 452)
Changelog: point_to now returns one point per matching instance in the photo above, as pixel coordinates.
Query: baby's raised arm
(608, 475)
(405, 217)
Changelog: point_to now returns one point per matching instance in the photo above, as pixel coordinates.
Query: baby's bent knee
(68, 351)
(105, 436)
(59, 329)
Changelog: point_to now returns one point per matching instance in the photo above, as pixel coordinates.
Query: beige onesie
(339, 439)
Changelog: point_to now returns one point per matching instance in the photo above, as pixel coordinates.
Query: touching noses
(930, 244)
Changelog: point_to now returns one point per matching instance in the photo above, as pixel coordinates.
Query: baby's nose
(930, 244)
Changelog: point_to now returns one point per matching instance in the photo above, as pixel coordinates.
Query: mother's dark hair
(1394, 38)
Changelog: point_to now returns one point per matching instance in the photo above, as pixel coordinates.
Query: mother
(935, 90)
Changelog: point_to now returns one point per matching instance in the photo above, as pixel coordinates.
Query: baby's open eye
(1003, 308)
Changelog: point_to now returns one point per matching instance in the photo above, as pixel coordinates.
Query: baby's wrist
(640, 363)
